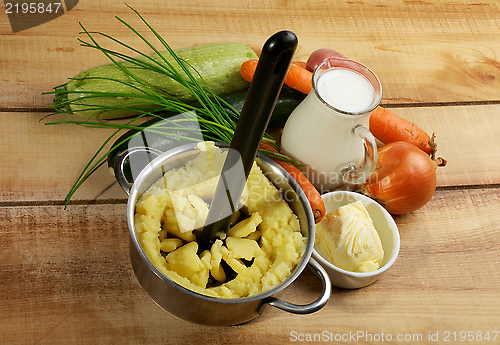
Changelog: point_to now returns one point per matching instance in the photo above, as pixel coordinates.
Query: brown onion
(404, 179)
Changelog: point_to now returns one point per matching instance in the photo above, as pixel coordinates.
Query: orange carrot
(297, 77)
(388, 127)
(248, 68)
(312, 194)
(302, 64)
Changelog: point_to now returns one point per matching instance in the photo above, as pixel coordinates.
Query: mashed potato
(258, 253)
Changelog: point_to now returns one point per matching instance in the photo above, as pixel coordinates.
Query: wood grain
(65, 273)
(444, 53)
(46, 160)
(66, 278)
(466, 137)
(471, 148)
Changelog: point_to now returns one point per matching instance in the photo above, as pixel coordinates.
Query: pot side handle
(119, 169)
(307, 308)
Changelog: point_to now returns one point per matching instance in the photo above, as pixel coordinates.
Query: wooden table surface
(65, 275)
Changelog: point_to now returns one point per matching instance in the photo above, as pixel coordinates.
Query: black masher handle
(275, 58)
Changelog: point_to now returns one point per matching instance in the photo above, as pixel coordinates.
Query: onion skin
(404, 179)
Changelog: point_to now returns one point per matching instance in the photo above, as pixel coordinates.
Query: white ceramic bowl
(386, 228)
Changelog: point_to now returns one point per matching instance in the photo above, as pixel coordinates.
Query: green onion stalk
(216, 118)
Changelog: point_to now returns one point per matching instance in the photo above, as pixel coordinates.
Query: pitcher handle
(307, 308)
(354, 175)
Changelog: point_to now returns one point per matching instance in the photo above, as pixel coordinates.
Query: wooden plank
(466, 137)
(45, 161)
(441, 53)
(66, 278)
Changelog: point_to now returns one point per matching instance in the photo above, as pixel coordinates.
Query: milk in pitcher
(319, 132)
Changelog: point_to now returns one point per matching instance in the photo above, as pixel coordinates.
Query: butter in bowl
(357, 241)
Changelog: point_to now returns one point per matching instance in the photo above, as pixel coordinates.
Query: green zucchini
(286, 102)
(218, 64)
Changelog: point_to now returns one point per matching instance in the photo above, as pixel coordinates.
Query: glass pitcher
(328, 131)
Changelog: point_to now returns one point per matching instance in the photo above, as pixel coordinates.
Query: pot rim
(260, 159)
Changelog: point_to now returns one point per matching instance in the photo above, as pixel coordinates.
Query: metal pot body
(197, 308)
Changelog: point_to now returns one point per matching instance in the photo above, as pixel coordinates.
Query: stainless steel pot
(197, 308)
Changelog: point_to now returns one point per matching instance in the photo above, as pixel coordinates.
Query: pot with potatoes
(245, 268)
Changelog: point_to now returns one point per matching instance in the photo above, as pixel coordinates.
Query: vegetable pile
(134, 88)
(208, 84)
(404, 179)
